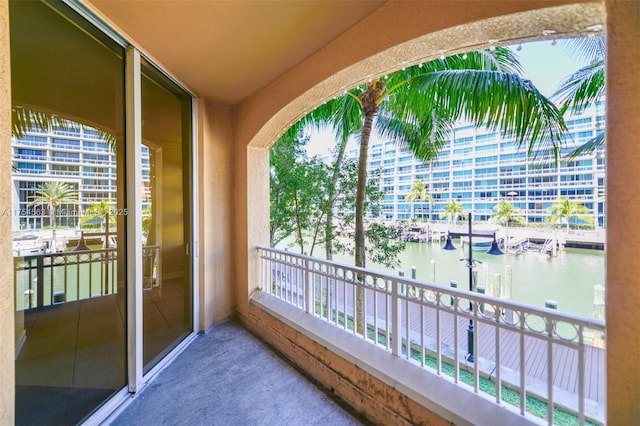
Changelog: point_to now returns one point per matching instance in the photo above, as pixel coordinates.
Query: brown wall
(623, 212)
(7, 309)
(215, 191)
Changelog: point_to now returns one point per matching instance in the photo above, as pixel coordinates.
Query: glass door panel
(68, 214)
(166, 204)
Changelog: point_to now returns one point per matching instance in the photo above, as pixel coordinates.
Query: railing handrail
(591, 323)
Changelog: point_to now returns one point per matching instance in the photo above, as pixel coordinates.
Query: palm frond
(423, 134)
(24, 120)
(347, 117)
(585, 48)
(499, 59)
(342, 114)
(592, 145)
(499, 101)
(580, 89)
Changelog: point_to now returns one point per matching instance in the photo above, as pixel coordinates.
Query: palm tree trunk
(369, 100)
(360, 259)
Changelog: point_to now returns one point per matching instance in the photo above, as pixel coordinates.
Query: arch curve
(501, 29)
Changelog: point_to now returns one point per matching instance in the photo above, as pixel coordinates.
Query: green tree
(505, 214)
(285, 182)
(344, 119)
(585, 86)
(418, 191)
(304, 193)
(452, 211)
(564, 209)
(54, 194)
(383, 240)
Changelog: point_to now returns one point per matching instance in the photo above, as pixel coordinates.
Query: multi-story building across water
(77, 155)
(478, 168)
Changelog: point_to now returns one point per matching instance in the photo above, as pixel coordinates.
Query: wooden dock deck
(565, 359)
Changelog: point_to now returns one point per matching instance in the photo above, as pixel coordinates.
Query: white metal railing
(54, 278)
(522, 354)
(46, 279)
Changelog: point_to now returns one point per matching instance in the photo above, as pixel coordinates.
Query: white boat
(28, 244)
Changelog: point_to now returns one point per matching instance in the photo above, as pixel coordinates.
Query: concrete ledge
(446, 401)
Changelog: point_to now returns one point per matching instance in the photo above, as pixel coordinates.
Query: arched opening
(542, 30)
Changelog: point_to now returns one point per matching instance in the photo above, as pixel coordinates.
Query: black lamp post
(494, 250)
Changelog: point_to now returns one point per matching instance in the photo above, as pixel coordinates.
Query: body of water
(568, 278)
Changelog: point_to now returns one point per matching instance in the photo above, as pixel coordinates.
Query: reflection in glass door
(166, 207)
(68, 214)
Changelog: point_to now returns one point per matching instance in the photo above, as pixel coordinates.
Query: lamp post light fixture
(471, 262)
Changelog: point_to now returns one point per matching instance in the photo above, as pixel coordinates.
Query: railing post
(396, 335)
(40, 281)
(453, 284)
(308, 285)
(550, 333)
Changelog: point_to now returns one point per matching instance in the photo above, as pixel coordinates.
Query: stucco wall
(7, 309)
(623, 212)
(215, 192)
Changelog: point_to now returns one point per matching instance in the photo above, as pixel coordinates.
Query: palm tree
(452, 210)
(54, 194)
(417, 106)
(585, 86)
(565, 209)
(105, 210)
(506, 213)
(418, 191)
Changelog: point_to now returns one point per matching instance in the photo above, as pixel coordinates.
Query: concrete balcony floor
(229, 377)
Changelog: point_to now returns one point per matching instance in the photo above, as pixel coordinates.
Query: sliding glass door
(68, 214)
(166, 141)
(79, 320)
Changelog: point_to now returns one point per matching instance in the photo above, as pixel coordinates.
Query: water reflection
(567, 278)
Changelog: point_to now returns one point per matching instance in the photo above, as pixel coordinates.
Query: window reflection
(67, 93)
(166, 134)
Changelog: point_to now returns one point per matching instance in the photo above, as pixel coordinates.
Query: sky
(544, 63)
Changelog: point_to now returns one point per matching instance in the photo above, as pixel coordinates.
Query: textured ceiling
(216, 47)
